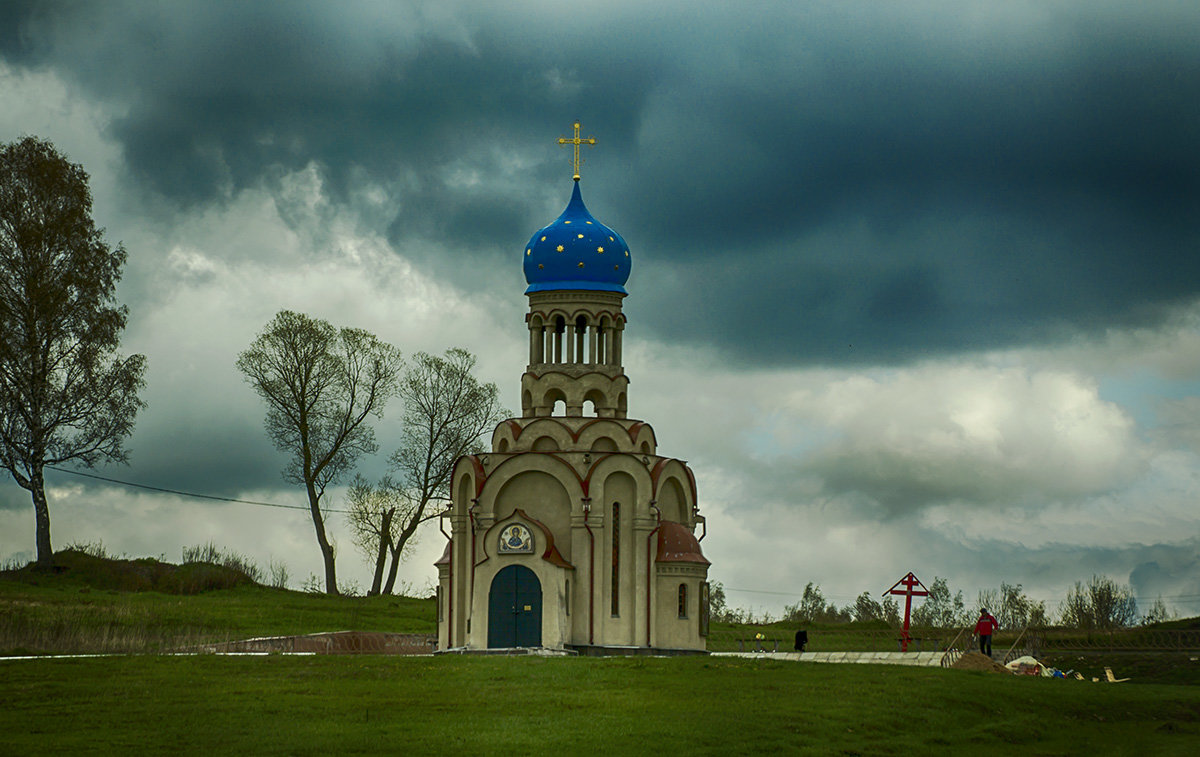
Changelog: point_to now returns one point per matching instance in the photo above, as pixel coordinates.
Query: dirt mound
(979, 661)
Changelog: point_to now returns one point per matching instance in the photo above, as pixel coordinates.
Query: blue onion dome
(576, 252)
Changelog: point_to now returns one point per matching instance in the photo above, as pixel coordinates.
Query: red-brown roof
(677, 544)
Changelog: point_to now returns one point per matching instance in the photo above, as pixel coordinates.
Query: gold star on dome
(616, 268)
(560, 249)
(566, 221)
(543, 239)
(600, 250)
(589, 223)
(579, 235)
(541, 266)
(529, 252)
(581, 264)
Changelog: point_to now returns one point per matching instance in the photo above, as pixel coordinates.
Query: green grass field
(370, 704)
(486, 705)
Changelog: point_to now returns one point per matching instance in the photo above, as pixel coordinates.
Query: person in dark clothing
(801, 640)
(984, 628)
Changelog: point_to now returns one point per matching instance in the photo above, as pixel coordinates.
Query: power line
(187, 494)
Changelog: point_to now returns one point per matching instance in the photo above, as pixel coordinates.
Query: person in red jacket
(984, 628)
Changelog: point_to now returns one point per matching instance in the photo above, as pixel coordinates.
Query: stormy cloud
(926, 272)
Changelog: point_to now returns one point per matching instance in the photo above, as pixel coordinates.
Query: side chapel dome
(576, 252)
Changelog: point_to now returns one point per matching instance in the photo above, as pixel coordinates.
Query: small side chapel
(574, 532)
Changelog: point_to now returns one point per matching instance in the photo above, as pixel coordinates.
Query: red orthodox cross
(910, 584)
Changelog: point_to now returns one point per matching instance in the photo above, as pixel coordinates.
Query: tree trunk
(41, 511)
(314, 504)
(391, 579)
(397, 549)
(385, 540)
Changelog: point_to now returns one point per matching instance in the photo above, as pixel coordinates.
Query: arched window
(616, 559)
(603, 347)
(560, 328)
(595, 398)
(581, 339)
(683, 608)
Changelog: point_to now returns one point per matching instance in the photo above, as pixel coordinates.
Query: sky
(915, 285)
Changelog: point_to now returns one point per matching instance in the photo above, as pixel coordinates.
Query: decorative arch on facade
(545, 542)
(673, 502)
(541, 495)
(603, 444)
(550, 464)
(551, 427)
(606, 428)
(610, 465)
(669, 469)
(545, 443)
(470, 468)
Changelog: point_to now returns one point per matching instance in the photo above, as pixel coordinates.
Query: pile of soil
(979, 661)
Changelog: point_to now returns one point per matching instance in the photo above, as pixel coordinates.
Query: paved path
(921, 659)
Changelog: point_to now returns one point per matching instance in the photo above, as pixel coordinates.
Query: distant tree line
(1099, 604)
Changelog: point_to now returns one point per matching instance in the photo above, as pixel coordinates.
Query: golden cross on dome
(576, 142)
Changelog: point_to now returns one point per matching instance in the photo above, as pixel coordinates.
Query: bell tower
(576, 268)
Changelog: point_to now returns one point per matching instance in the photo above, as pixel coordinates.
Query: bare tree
(321, 386)
(65, 394)
(446, 412)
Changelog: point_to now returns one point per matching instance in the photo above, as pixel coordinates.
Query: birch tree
(66, 396)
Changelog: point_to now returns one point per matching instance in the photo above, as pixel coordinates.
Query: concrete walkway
(919, 659)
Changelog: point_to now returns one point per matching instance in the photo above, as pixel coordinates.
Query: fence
(1034, 641)
(339, 642)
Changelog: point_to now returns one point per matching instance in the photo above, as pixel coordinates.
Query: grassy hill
(96, 604)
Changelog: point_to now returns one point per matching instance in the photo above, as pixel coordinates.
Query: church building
(573, 532)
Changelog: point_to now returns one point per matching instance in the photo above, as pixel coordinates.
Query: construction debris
(979, 661)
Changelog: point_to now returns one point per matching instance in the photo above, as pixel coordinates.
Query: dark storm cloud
(845, 184)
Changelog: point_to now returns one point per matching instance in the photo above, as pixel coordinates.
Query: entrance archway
(515, 609)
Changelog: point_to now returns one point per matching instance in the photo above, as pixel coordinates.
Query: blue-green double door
(515, 609)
